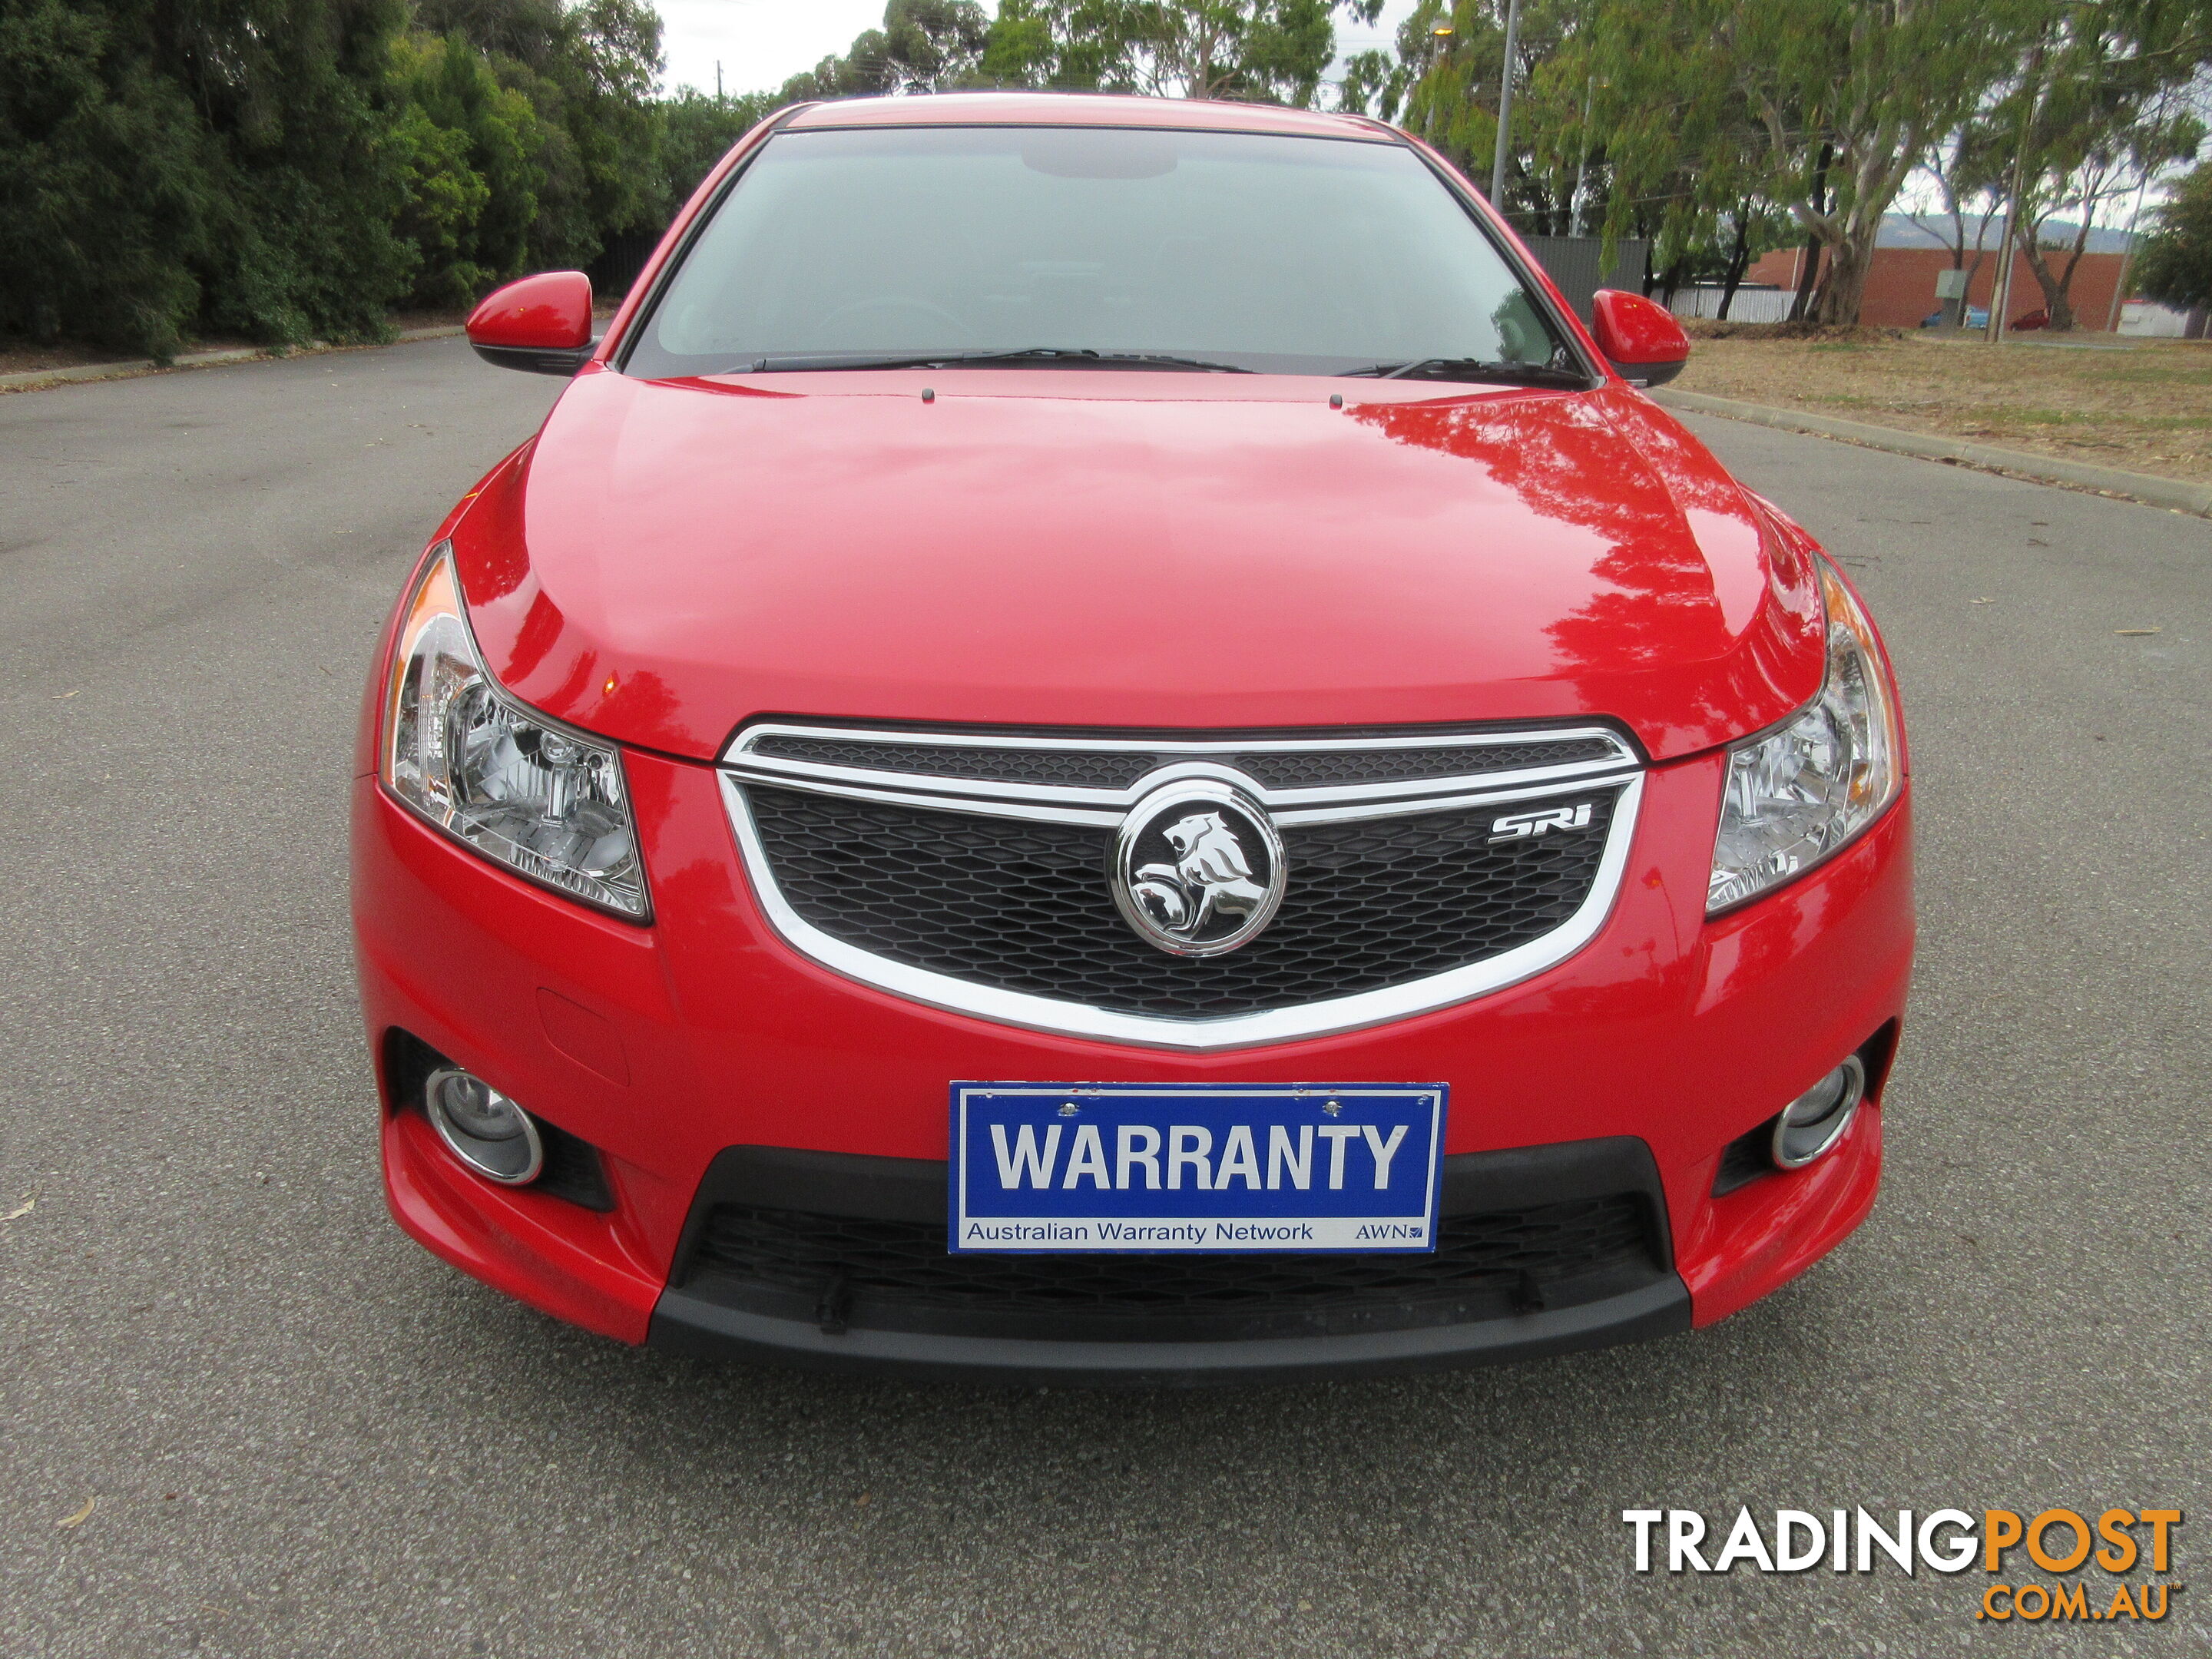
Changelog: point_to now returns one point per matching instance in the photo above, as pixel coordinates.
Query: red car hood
(1107, 549)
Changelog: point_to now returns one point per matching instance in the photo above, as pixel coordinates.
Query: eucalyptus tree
(1452, 52)
(1374, 83)
(1968, 171)
(1828, 104)
(2098, 106)
(934, 44)
(1265, 50)
(1452, 70)
(1684, 170)
(924, 46)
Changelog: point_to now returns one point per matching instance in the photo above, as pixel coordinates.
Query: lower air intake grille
(894, 1272)
(1024, 906)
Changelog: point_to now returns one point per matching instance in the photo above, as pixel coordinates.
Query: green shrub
(2175, 265)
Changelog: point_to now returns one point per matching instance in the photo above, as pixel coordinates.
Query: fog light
(1816, 1120)
(483, 1127)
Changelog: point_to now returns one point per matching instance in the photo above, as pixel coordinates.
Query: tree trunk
(1807, 278)
(1799, 306)
(1738, 259)
(2057, 304)
(1843, 288)
(2073, 264)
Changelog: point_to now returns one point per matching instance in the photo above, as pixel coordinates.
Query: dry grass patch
(2142, 408)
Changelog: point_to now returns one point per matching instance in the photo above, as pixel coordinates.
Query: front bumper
(665, 1046)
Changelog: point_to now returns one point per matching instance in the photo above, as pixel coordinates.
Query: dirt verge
(2140, 406)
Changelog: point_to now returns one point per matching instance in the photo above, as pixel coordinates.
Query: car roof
(1060, 109)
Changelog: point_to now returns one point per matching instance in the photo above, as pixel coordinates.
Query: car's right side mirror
(1639, 337)
(542, 323)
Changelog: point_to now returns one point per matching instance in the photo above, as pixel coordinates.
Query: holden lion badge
(1198, 869)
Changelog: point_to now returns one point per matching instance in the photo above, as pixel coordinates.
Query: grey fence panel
(1576, 264)
(1752, 305)
(620, 262)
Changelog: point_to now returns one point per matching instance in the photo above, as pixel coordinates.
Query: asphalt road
(307, 1437)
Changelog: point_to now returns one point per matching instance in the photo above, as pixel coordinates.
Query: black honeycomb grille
(1024, 906)
(1311, 769)
(1081, 769)
(1072, 769)
(905, 1264)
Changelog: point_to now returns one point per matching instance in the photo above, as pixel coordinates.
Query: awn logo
(2061, 1543)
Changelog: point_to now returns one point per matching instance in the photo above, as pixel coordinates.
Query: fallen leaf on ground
(20, 1210)
(79, 1518)
(2136, 630)
(64, 696)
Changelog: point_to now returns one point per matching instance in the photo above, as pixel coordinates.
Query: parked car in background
(1976, 317)
(1098, 742)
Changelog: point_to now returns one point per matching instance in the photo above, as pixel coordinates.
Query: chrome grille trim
(737, 756)
(1104, 809)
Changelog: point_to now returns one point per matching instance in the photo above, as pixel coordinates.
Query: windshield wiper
(1038, 356)
(1473, 368)
(1082, 356)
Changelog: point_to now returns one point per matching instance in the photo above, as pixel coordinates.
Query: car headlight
(541, 799)
(1799, 794)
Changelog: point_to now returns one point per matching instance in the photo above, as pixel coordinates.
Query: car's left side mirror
(542, 324)
(1639, 337)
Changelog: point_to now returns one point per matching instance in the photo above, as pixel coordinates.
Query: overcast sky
(761, 43)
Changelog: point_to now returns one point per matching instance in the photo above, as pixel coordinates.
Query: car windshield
(1096, 248)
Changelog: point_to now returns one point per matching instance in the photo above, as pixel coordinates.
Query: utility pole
(1440, 39)
(1504, 107)
(2001, 286)
(1582, 163)
(717, 80)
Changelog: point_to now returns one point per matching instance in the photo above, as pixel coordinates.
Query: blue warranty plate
(1049, 1169)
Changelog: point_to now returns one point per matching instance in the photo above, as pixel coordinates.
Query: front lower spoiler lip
(687, 1324)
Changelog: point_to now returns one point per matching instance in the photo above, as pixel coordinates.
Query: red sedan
(1098, 742)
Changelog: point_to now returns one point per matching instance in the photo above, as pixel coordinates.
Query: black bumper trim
(913, 1189)
(701, 1312)
(687, 1324)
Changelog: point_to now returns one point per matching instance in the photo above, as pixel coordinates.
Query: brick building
(1901, 286)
